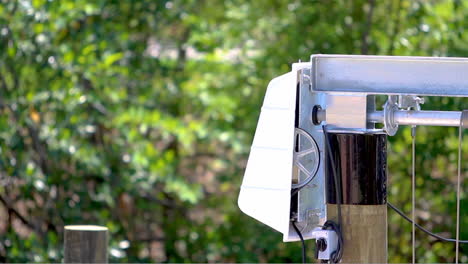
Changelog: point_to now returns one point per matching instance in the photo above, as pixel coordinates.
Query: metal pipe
(375, 117)
(419, 118)
(321, 115)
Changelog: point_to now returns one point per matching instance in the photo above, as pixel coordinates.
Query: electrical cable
(398, 211)
(296, 190)
(338, 254)
(329, 225)
(304, 257)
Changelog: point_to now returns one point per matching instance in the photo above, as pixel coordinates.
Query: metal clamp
(390, 107)
(464, 119)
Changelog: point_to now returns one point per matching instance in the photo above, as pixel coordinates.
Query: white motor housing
(266, 188)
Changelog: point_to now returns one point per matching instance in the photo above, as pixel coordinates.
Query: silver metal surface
(321, 115)
(464, 119)
(410, 101)
(311, 199)
(347, 110)
(424, 76)
(390, 107)
(419, 118)
(370, 107)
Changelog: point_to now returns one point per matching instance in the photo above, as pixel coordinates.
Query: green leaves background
(139, 115)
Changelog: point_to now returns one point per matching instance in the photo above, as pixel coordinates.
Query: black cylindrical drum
(361, 165)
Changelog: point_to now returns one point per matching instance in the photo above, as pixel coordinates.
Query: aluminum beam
(425, 76)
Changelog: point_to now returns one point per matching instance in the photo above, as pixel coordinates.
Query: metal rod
(419, 118)
(460, 140)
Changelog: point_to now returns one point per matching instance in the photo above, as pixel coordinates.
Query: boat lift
(318, 163)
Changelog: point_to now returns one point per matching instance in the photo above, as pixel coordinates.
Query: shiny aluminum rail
(399, 75)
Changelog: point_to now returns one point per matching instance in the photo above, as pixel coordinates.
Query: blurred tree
(138, 115)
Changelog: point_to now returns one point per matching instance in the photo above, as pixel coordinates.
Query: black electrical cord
(422, 228)
(309, 179)
(338, 254)
(329, 225)
(295, 191)
(304, 257)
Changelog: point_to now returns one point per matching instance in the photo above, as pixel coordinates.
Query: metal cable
(463, 124)
(463, 117)
(413, 187)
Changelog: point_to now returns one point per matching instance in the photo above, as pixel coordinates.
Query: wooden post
(361, 165)
(364, 232)
(85, 244)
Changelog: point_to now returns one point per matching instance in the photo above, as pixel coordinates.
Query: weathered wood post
(85, 244)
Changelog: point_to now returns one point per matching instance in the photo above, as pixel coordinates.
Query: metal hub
(390, 107)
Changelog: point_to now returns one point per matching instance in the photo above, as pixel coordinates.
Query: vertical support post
(85, 244)
(361, 161)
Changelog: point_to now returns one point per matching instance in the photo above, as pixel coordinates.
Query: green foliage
(139, 115)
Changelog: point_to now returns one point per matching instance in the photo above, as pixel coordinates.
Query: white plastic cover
(266, 189)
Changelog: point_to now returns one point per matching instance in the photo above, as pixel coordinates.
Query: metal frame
(426, 76)
(311, 199)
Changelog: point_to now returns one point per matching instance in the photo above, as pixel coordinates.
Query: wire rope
(413, 191)
(457, 240)
(463, 117)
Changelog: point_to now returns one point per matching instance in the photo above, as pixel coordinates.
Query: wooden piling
(85, 244)
(364, 232)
